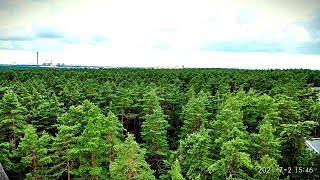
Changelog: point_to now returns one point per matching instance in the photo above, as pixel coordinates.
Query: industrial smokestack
(37, 59)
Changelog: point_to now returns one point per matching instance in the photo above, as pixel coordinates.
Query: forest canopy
(158, 124)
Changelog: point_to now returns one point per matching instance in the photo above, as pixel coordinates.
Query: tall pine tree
(154, 135)
(194, 114)
(130, 162)
(34, 153)
(12, 123)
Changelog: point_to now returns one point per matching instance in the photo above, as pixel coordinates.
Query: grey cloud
(256, 46)
(93, 39)
(34, 45)
(15, 34)
(43, 38)
(47, 32)
(15, 38)
(72, 40)
(240, 46)
(313, 25)
(8, 6)
(99, 38)
(309, 48)
(284, 45)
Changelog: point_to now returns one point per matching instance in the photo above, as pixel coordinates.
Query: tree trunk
(130, 174)
(230, 168)
(68, 162)
(35, 164)
(157, 157)
(14, 133)
(292, 164)
(92, 164)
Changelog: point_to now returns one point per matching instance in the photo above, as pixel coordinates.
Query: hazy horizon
(207, 33)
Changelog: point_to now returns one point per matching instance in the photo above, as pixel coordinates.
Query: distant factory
(48, 64)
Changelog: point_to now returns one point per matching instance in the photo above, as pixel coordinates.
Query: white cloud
(134, 27)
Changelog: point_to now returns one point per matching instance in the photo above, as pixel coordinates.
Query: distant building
(60, 64)
(314, 144)
(46, 64)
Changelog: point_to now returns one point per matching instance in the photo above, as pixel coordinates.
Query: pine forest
(145, 124)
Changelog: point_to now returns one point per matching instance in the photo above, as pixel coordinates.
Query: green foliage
(257, 108)
(293, 138)
(112, 133)
(231, 123)
(267, 168)
(154, 135)
(130, 162)
(266, 143)
(175, 171)
(194, 153)
(33, 151)
(235, 162)
(12, 124)
(308, 165)
(63, 141)
(11, 119)
(315, 116)
(288, 108)
(44, 117)
(194, 114)
(90, 148)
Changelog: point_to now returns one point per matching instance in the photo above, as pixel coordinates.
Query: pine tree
(256, 108)
(289, 110)
(44, 117)
(71, 95)
(266, 143)
(70, 126)
(11, 119)
(233, 162)
(267, 168)
(11, 131)
(90, 146)
(231, 143)
(229, 116)
(195, 154)
(150, 101)
(293, 140)
(130, 162)
(175, 171)
(106, 94)
(154, 135)
(121, 105)
(112, 129)
(194, 114)
(34, 153)
(309, 160)
(62, 144)
(315, 116)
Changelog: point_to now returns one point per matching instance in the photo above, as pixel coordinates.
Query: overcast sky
(199, 33)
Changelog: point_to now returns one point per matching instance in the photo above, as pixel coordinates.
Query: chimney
(37, 59)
